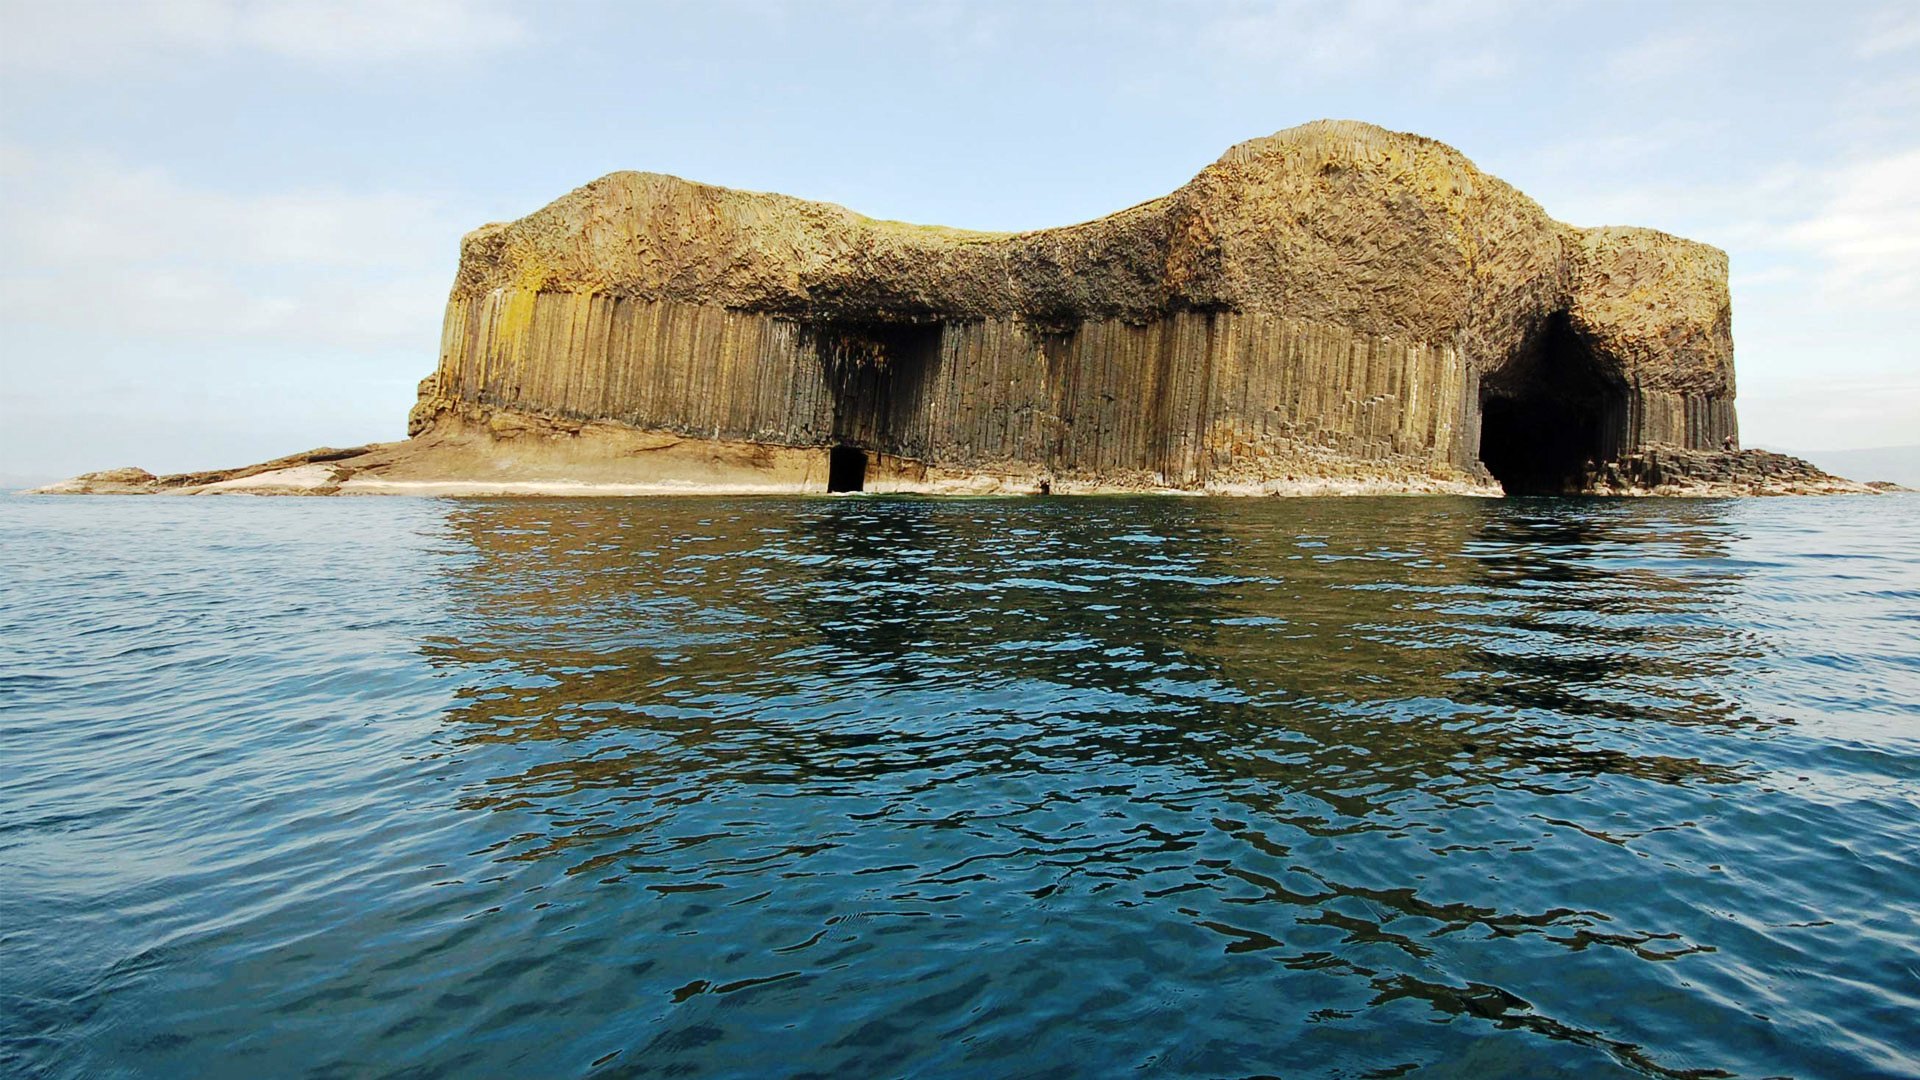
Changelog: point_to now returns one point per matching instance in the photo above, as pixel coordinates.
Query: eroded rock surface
(128, 481)
(1335, 307)
(1334, 298)
(1672, 471)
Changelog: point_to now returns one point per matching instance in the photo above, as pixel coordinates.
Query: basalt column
(877, 375)
(1332, 302)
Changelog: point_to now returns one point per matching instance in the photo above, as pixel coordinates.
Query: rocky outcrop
(1671, 471)
(127, 481)
(315, 472)
(1332, 308)
(1333, 298)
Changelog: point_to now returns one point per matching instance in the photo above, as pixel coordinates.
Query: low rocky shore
(610, 461)
(1673, 471)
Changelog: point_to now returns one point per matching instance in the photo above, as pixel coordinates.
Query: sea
(904, 787)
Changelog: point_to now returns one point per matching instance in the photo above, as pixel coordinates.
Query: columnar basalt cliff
(1332, 308)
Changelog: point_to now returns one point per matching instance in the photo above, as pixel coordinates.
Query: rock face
(1334, 308)
(1334, 301)
(127, 481)
(1664, 470)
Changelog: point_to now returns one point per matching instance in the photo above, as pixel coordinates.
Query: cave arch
(878, 373)
(1552, 415)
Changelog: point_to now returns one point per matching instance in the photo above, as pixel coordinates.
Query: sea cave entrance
(846, 469)
(1551, 415)
(878, 374)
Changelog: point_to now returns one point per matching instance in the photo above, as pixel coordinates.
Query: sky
(228, 228)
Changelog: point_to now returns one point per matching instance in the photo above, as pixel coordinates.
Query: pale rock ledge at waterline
(1332, 309)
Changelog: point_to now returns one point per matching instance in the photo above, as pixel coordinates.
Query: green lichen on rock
(1657, 306)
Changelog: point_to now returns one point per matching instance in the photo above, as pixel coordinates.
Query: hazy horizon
(232, 226)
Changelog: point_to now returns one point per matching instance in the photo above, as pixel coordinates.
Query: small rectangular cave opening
(846, 469)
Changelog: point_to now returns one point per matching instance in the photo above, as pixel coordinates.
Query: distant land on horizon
(1900, 464)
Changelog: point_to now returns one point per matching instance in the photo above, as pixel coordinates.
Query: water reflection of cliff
(1356, 649)
(1205, 710)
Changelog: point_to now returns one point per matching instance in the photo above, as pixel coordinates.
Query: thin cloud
(1661, 58)
(1855, 227)
(1835, 413)
(1867, 231)
(95, 245)
(89, 36)
(1313, 39)
(1891, 31)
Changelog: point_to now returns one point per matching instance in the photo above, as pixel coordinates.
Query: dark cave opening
(1551, 416)
(1535, 446)
(846, 469)
(878, 373)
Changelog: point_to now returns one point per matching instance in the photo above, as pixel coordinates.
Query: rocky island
(1335, 308)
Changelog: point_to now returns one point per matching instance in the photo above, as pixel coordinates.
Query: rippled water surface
(898, 787)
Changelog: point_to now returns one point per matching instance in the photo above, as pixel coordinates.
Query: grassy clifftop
(1381, 232)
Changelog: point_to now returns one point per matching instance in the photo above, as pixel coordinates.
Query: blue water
(899, 787)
